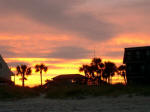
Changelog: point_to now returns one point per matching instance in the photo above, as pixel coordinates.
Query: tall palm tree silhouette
(88, 71)
(122, 72)
(40, 68)
(98, 67)
(91, 71)
(109, 70)
(23, 70)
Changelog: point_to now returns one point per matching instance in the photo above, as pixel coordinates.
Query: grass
(79, 92)
(72, 91)
(16, 92)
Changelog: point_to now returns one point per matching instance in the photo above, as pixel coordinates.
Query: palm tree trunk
(85, 78)
(124, 76)
(41, 76)
(99, 79)
(109, 79)
(125, 79)
(14, 79)
(23, 80)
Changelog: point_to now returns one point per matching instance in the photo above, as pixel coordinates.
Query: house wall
(137, 61)
(4, 70)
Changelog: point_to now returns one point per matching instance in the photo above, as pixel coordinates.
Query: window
(129, 53)
(148, 53)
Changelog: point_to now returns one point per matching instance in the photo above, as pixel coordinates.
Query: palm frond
(18, 69)
(29, 71)
(45, 69)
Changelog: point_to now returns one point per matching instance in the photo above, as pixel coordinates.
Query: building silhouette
(137, 60)
(5, 73)
(69, 79)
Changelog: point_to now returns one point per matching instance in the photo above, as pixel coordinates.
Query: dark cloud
(59, 15)
(69, 52)
(114, 54)
(30, 55)
(133, 16)
(16, 63)
(7, 51)
(64, 52)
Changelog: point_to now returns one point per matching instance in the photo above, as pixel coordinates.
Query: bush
(72, 91)
(16, 92)
(80, 91)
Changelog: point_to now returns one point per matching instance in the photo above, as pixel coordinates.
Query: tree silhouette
(98, 70)
(94, 70)
(23, 70)
(85, 69)
(89, 72)
(98, 67)
(109, 70)
(40, 68)
(122, 72)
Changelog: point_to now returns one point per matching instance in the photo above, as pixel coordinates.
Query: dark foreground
(75, 98)
(98, 104)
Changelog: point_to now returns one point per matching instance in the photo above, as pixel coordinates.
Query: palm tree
(122, 72)
(40, 68)
(23, 70)
(98, 67)
(109, 70)
(85, 69)
(91, 71)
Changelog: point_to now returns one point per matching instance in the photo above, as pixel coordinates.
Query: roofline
(134, 49)
(141, 47)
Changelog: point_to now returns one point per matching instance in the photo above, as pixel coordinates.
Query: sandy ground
(99, 104)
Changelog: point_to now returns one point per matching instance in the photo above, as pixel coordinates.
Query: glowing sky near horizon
(64, 33)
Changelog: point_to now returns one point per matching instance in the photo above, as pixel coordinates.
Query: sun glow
(55, 67)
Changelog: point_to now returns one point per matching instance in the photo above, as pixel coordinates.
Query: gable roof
(68, 77)
(4, 69)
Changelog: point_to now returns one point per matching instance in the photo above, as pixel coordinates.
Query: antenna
(94, 53)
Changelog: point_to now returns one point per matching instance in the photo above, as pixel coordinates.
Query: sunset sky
(64, 33)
